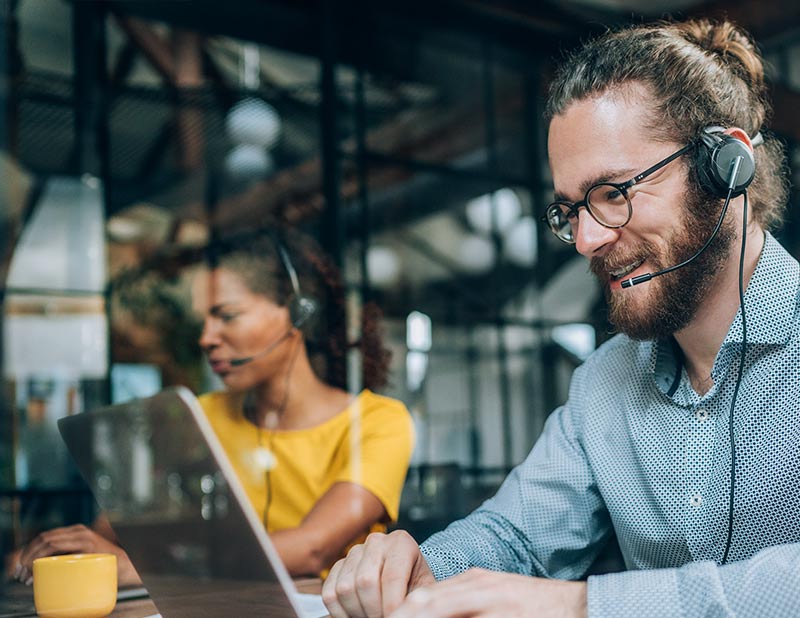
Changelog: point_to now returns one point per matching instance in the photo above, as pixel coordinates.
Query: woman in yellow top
(321, 466)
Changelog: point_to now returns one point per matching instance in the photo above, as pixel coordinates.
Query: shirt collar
(770, 301)
(770, 298)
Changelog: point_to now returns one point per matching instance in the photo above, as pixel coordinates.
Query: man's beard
(674, 298)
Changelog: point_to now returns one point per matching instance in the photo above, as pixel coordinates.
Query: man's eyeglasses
(607, 202)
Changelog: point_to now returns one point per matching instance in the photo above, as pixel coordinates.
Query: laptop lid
(161, 476)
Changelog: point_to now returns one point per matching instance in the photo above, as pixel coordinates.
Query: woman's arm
(340, 516)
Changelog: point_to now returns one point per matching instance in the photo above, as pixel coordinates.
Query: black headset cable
(731, 433)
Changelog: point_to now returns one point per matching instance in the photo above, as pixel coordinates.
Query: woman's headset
(301, 307)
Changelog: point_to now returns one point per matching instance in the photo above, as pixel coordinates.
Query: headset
(725, 167)
(302, 308)
(715, 154)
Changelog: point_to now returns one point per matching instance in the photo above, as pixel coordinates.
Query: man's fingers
(345, 584)
(329, 596)
(396, 575)
(461, 595)
(368, 575)
(417, 603)
(373, 579)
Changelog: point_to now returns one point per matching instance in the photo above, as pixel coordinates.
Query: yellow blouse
(285, 472)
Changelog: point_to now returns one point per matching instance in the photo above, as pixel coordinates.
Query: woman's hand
(73, 540)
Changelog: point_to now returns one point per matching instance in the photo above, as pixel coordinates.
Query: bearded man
(681, 435)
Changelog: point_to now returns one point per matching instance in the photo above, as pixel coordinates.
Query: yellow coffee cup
(75, 585)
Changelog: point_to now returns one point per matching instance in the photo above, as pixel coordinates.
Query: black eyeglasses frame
(622, 187)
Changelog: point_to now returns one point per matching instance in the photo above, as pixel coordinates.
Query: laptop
(164, 482)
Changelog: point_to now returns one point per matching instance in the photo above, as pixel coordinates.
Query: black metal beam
(542, 27)
(7, 47)
(156, 151)
(445, 169)
(88, 40)
(331, 224)
(431, 187)
(125, 61)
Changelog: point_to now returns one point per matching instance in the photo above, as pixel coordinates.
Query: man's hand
(485, 594)
(375, 577)
(73, 540)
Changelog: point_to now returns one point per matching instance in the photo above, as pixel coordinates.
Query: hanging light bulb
(249, 161)
(255, 122)
(252, 120)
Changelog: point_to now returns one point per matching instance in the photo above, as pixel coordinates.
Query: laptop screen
(162, 479)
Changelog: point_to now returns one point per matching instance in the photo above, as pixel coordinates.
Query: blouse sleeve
(381, 443)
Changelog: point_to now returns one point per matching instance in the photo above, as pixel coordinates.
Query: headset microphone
(626, 283)
(238, 362)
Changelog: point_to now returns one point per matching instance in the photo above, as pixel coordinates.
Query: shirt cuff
(652, 593)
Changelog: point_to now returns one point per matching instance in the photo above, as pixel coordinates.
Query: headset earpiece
(716, 151)
(301, 310)
(301, 307)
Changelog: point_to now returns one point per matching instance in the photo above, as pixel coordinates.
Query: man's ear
(741, 135)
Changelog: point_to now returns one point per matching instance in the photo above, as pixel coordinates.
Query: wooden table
(141, 608)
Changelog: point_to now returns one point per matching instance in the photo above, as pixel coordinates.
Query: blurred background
(406, 137)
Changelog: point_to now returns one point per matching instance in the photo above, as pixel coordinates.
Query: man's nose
(591, 238)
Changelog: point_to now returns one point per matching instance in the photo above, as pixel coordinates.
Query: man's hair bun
(730, 44)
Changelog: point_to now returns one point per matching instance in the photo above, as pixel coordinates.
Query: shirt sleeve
(547, 519)
(382, 441)
(768, 584)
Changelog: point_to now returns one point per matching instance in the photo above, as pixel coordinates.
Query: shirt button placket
(700, 441)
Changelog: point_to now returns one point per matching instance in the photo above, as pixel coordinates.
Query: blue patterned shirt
(636, 450)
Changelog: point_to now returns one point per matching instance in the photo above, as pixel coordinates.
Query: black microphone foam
(236, 362)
